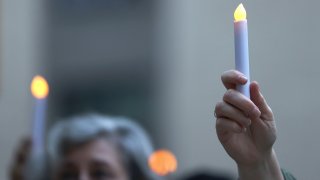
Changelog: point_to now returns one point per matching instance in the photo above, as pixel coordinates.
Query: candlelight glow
(240, 13)
(163, 162)
(39, 87)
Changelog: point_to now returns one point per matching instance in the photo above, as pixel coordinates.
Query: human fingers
(23, 150)
(226, 125)
(231, 78)
(16, 172)
(258, 99)
(241, 102)
(225, 110)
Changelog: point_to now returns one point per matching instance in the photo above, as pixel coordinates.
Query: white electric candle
(241, 47)
(39, 89)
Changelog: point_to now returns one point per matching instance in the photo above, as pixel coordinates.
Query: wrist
(265, 169)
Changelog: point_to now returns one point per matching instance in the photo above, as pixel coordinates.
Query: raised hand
(246, 129)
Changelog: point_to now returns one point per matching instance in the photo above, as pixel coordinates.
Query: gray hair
(132, 140)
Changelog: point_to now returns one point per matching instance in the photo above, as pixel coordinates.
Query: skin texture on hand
(246, 129)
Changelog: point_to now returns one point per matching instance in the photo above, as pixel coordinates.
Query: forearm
(267, 169)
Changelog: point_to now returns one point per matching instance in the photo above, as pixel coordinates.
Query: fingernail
(243, 78)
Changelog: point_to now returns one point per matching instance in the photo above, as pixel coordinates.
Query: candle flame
(240, 13)
(39, 87)
(163, 162)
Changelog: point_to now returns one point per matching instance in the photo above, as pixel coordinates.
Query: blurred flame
(240, 13)
(39, 87)
(163, 162)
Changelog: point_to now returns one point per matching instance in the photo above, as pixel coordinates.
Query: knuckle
(228, 94)
(223, 76)
(251, 108)
(219, 123)
(226, 74)
(250, 111)
(253, 111)
(269, 109)
(219, 106)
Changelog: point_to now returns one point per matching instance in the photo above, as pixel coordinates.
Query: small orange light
(163, 162)
(39, 87)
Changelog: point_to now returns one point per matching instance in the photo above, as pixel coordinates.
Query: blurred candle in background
(241, 47)
(163, 162)
(40, 90)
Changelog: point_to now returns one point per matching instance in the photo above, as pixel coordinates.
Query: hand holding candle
(241, 47)
(246, 127)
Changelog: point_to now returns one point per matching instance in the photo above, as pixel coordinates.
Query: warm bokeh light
(39, 87)
(163, 162)
(240, 13)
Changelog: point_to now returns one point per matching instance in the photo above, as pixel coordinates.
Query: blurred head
(93, 147)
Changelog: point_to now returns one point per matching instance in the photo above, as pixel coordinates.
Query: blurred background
(159, 62)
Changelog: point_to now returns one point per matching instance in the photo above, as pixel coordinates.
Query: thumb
(260, 102)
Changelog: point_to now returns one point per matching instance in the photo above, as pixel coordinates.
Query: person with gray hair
(95, 147)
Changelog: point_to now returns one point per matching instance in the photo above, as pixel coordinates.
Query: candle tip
(240, 13)
(39, 87)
